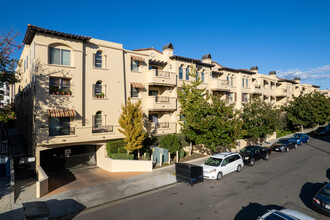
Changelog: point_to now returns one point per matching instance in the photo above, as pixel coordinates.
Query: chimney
(168, 50)
(272, 73)
(254, 69)
(207, 58)
(297, 80)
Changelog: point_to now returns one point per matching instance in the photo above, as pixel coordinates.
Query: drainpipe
(83, 86)
(124, 72)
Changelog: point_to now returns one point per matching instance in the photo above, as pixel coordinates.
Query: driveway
(78, 179)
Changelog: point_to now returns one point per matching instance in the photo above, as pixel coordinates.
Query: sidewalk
(72, 202)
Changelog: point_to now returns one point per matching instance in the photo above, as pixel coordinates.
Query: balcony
(160, 128)
(163, 78)
(282, 93)
(102, 129)
(220, 85)
(256, 89)
(161, 103)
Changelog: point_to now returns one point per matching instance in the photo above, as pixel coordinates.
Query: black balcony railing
(102, 129)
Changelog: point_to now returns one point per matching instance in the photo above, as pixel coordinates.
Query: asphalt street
(287, 180)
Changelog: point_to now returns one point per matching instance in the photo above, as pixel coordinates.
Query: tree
(308, 110)
(260, 118)
(206, 119)
(8, 64)
(131, 123)
(170, 142)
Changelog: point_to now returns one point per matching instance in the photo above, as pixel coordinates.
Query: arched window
(98, 59)
(180, 72)
(98, 120)
(98, 88)
(197, 75)
(187, 73)
(202, 76)
(243, 81)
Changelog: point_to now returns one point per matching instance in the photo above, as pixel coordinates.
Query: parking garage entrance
(67, 158)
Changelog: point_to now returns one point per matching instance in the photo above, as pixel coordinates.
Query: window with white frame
(245, 97)
(59, 86)
(134, 92)
(230, 97)
(98, 59)
(59, 56)
(187, 73)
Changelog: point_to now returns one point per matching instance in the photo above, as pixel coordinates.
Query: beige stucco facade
(87, 67)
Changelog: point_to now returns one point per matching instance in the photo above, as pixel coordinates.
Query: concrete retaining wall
(112, 165)
(42, 183)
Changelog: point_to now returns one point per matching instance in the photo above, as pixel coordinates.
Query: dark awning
(157, 62)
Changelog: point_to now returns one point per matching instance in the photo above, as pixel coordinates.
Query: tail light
(317, 201)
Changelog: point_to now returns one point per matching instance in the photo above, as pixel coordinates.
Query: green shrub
(122, 156)
(281, 133)
(170, 142)
(182, 153)
(115, 146)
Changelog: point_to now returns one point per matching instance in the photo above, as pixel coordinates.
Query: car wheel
(219, 176)
(252, 162)
(239, 168)
(287, 149)
(266, 157)
(307, 141)
(296, 146)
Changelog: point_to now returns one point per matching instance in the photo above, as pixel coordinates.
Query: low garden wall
(42, 183)
(112, 165)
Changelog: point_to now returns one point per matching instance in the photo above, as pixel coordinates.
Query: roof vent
(254, 68)
(272, 72)
(168, 46)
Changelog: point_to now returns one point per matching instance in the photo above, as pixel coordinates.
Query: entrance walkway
(78, 179)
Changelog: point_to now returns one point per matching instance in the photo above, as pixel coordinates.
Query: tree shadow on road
(254, 210)
(307, 192)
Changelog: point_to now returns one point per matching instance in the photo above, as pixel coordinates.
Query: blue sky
(291, 37)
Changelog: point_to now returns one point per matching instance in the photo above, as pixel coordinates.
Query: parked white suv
(221, 164)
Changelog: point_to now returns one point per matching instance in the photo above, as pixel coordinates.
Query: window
(245, 97)
(187, 73)
(243, 80)
(202, 76)
(98, 87)
(247, 83)
(135, 65)
(180, 72)
(98, 59)
(231, 97)
(134, 92)
(59, 86)
(197, 75)
(232, 81)
(59, 126)
(59, 56)
(98, 120)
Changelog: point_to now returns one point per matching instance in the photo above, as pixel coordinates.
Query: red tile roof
(150, 48)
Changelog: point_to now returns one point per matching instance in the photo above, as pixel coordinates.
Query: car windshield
(283, 141)
(298, 135)
(213, 162)
(325, 192)
(247, 150)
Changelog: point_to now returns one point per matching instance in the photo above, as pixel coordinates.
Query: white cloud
(322, 72)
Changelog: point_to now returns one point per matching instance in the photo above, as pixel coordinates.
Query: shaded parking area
(77, 179)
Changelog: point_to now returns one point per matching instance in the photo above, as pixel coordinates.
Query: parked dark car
(301, 138)
(251, 153)
(321, 201)
(322, 131)
(284, 145)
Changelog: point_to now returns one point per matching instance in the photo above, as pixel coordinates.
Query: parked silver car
(285, 214)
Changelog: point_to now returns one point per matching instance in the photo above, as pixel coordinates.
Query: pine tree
(131, 123)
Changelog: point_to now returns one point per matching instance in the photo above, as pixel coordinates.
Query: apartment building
(69, 98)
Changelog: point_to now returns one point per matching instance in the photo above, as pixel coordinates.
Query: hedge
(121, 156)
(115, 146)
